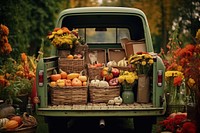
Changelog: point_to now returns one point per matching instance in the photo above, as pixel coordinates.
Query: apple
(115, 72)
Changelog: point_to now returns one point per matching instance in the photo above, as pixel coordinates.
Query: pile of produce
(63, 79)
(16, 122)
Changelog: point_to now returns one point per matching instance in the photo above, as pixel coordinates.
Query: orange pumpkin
(17, 118)
(70, 57)
(76, 82)
(84, 83)
(68, 82)
(63, 74)
(11, 124)
(55, 76)
(53, 84)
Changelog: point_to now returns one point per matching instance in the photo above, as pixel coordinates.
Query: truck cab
(104, 28)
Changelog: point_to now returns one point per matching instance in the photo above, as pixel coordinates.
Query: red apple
(115, 72)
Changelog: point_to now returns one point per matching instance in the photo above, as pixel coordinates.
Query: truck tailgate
(101, 109)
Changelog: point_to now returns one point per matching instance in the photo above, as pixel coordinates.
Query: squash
(11, 124)
(81, 77)
(3, 122)
(60, 82)
(55, 76)
(63, 74)
(76, 82)
(17, 118)
(72, 76)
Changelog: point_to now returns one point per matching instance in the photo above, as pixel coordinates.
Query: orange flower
(8, 48)
(177, 81)
(4, 30)
(23, 57)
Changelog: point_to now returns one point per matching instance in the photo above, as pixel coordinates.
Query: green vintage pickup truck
(104, 28)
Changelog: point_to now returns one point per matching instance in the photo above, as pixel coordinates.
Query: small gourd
(122, 62)
(95, 82)
(3, 122)
(111, 102)
(103, 83)
(118, 100)
(60, 82)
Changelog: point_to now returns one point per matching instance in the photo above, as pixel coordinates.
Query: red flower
(177, 81)
(189, 127)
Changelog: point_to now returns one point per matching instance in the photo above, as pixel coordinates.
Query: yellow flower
(151, 61)
(191, 82)
(121, 79)
(144, 63)
(130, 79)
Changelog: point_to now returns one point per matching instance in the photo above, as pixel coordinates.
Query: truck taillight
(160, 76)
(41, 77)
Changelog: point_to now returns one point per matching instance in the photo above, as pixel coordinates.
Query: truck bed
(101, 109)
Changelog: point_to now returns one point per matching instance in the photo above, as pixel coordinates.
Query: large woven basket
(71, 65)
(95, 72)
(118, 54)
(69, 95)
(103, 94)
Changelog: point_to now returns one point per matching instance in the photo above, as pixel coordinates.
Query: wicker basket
(117, 55)
(101, 57)
(69, 95)
(70, 66)
(103, 94)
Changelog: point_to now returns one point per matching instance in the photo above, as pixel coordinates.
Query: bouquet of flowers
(127, 79)
(177, 123)
(142, 62)
(64, 38)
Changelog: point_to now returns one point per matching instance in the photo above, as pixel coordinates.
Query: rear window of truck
(103, 35)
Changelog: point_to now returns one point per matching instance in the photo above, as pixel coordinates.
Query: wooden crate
(118, 54)
(101, 58)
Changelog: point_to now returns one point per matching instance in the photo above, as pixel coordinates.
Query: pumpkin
(76, 82)
(82, 77)
(73, 75)
(11, 124)
(55, 76)
(60, 82)
(68, 82)
(17, 118)
(3, 122)
(118, 100)
(70, 57)
(63, 74)
(103, 83)
(84, 83)
(95, 82)
(53, 84)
